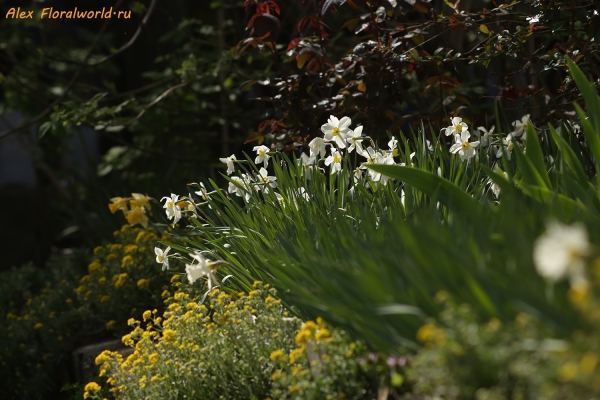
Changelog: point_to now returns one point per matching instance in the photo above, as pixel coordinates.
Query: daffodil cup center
(459, 128)
(466, 145)
(335, 131)
(261, 153)
(169, 204)
(337, 159)
(511, 146)
(161, 259)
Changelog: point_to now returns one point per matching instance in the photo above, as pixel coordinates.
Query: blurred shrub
(466, 358)
(49, 312)
(42, 323)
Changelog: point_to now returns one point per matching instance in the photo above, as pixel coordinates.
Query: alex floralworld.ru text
(50, 13)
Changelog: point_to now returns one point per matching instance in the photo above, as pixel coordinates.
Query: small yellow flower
(275, 375)
(323, 333)
(143, 283)
(127, 261)
(278, 355)
(588, 362)
(426, 333)
(39, 325)
(119, 280)
(111, 324)
(98, 250)
(296, 353)
(567, 372)
(90, 387)
(294, 388)
(169, 335)
(146, 315)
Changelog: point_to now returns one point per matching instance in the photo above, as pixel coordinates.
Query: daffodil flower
(137, 216)
(463, 147)
(520, 126)
(261, 155)
(507, 147)
(241, 186)
(355, 139)
(307, 164)
(139, 200)
(172, 209)
(393, 146)
(317, 146)
(229, 161)
(201, 269)
(486, 139)
(162, 258)
(335, 160)
(456, 128)
(336, 130)
(118, 203)
(560, 252)
(266, 180)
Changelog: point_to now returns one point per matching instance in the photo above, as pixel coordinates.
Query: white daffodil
(456, 128)
(261, 155)
(229, 161)
(317, 146)
(560, 252)
(172, 209)
(393, 145)
(336, 130)
(202, 192)
(354, 139)
(162, 258)
(507, 145)
(281, 199)
(307, 164)
(486, 139)
(463, 147)
(266, 180)
(241, 186)
(387, 159)
(335, 160)
(372, 156)
(520, 126)
(202, 268)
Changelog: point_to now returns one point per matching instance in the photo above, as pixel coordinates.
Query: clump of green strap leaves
(370, 263)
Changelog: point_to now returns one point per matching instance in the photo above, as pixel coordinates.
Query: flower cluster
(238, 346)
(459, 130)
(134, 208)
(121, 276)
(219, 348)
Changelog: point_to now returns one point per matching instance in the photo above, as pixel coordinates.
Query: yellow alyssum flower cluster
(123, 273)
(227, 328)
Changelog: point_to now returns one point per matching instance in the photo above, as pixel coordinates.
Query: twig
(69, 86)
(120, 50)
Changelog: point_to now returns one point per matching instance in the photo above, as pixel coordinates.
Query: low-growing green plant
(122, 280)
(238, 346)
(41, 324)
(466, 358)
(75, 300)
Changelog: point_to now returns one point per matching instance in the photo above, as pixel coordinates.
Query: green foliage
(75, 300)
(41, 325)
(237, 346)
(123, 279)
